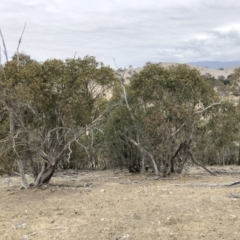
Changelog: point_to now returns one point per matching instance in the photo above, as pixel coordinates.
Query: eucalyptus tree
(165, 105)
(51, 106)
(217, 139)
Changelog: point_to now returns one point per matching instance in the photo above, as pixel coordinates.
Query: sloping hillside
(216, 64)
(203, 70)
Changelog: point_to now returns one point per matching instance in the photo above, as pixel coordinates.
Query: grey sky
(131, 31)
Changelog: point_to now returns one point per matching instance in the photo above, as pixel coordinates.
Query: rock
(19, 225)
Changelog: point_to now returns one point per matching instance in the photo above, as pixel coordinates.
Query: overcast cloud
(131, 31)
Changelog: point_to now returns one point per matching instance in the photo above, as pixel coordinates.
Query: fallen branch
(234, 195)
(207, 185)
(59, 228)
(233, 184)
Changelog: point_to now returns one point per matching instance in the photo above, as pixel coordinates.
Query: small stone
(26, 237)
(19, 225)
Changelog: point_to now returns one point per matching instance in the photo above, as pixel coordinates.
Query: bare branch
(199, 164)
(75, 55)
(69, 153)
(0, 56)
(125, 97)
(85, 148)
(208, 107)
(178, 129)
(19, 42)
(4, 45)
(146, 153)
(92, 138)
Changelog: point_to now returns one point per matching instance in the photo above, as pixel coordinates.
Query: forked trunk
(45, 175)
(156, 171)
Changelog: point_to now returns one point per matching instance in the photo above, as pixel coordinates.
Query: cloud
(133, 32)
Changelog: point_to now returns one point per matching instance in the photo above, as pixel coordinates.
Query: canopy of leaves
(167, 104)
(53, 103)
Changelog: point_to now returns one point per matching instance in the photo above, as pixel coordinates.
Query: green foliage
(61, 115)
(235, 82)
(218, 137)
(53, 103)
(164, 103)
(118, 128)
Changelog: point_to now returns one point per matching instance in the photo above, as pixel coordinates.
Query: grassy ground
(118, 205)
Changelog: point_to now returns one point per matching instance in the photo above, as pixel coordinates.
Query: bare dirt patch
(118, 205)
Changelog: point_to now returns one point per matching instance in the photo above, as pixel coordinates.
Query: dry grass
(123, 206)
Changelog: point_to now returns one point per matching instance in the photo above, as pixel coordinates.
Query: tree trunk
(172, 166)
(148, 154)
(238, 153)
(19, 161)
(143, 169)
(223, 156)
(173, 157)
(22, 173)
(167, 168)
(46, 174)
(184, 157)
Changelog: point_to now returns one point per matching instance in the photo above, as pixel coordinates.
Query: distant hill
(215, 64)
(228, 69)
(215, 72)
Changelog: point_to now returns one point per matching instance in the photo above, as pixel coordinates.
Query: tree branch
(4, 45)
(199, 164)
(146, 153)
(208, 107)
(19, 42)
